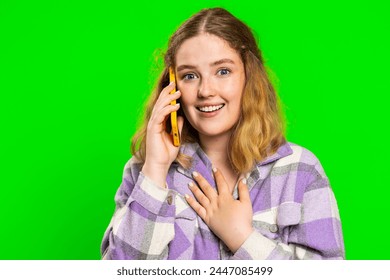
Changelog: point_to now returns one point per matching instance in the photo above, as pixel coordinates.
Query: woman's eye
(224, 71)
(189, 76)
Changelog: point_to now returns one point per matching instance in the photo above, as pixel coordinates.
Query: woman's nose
(206, 88)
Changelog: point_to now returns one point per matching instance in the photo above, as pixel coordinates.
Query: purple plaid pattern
(295, 213)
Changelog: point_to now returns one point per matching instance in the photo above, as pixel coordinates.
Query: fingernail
(190, 184)
(195, 174)
(214, 169)
(186, 196)
(177, 104)
(244, 181)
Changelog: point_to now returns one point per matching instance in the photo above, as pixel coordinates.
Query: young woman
(235, 188)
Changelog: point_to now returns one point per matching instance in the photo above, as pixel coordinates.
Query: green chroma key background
(75, 75)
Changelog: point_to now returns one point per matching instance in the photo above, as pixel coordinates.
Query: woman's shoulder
(290, 153)
(300, 154)
(298, 158)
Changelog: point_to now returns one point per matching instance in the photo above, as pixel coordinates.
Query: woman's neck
(216, 148)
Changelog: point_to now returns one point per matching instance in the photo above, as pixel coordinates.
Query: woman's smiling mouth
(210, 109)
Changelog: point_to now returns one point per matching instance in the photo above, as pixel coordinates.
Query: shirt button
(273, 228)
(169, 200)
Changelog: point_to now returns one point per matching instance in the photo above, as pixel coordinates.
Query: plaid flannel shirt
(295, 215)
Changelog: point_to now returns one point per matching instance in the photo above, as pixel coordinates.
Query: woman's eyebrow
(222, 61)
(215, 63)
(185, 66)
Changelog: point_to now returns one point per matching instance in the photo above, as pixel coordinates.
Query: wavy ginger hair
(259, 131)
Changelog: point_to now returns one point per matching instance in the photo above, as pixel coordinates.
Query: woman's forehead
(206, 48)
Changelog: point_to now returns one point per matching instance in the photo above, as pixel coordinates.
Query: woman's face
(211, 78)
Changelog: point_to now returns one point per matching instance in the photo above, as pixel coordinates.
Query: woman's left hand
(229, 219)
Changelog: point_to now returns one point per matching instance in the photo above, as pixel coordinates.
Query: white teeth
(210, 108)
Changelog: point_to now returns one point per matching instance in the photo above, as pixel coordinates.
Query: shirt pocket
(289, 215)
(265, 223)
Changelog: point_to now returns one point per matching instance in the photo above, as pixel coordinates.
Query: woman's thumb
(180, 123)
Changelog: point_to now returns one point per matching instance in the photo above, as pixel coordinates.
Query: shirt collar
(283, 151)
(199, 157)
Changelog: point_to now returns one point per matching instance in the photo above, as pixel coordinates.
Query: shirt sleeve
(143, 223)
(317, 235)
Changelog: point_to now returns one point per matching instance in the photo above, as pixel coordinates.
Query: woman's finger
(222, 186)
(168, 89)
(204, 185)
(160, 117)
(243, 192)
(199, 195)
(165, 100)
(201, 211)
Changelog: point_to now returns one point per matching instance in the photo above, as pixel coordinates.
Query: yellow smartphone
(175, 129)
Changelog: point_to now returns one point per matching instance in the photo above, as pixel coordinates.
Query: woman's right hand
(160, 151)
